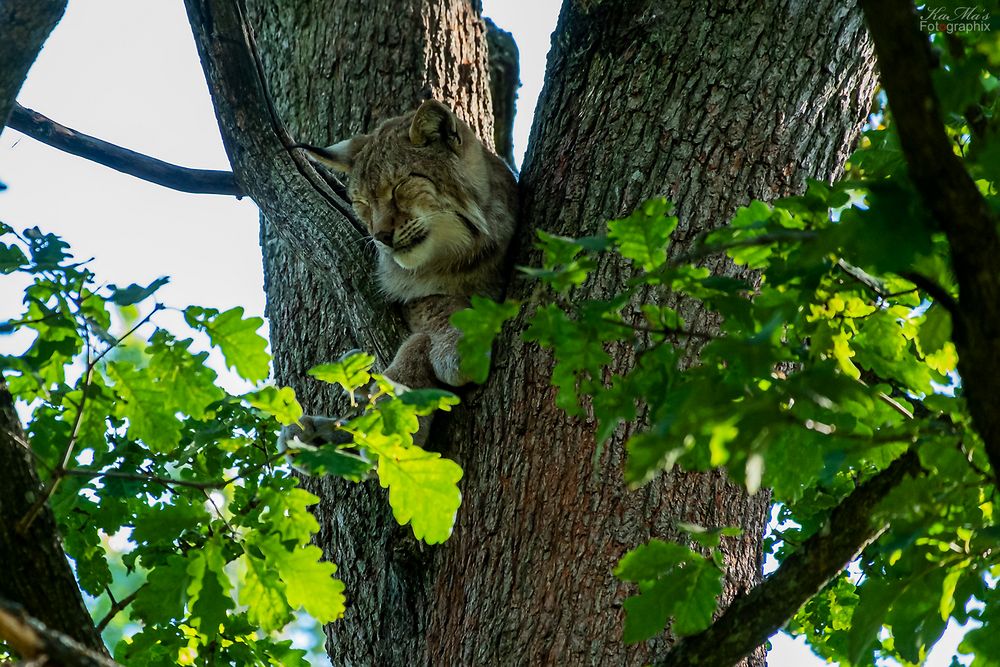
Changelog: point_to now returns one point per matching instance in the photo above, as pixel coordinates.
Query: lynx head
(424, 184)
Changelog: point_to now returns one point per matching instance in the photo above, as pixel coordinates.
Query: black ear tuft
(433, 122)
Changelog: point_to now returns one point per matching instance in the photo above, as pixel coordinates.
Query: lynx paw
(313, 430)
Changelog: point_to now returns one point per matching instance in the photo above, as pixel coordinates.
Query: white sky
(126, 71)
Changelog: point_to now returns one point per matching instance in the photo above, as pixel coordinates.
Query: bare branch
(754, 617)
(950, 194)
(199, 181)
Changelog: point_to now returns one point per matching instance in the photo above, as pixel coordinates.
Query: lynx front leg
(411, 367)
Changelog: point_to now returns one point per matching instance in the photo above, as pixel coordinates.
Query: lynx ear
(339, 156)
(432, 122)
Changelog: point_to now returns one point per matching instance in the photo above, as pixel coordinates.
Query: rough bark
(24, 27)
(505, 79)
(710, 104)
(37, 575)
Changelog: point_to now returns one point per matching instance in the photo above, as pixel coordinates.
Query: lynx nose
(384, 238)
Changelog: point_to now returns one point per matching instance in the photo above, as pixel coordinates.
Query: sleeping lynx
(441, 208)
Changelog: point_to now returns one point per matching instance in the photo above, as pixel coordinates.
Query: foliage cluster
(134, 437)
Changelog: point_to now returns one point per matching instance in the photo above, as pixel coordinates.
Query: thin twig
(936, 291)
(117, 607)
(141, 477)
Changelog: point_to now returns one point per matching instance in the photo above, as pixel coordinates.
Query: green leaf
(935, 330)
(875, 598)
(643, 236)
(427, 401)
(11, 258)
(351, 371)
(148, 406)
(190, 381)
(279, 402)
(480, 325)
(47, 250)
(161, 600)
(286, 512)
(698, 594)
(126, 296)
(651, 560)
(646, 615)
(309, 581)
(673, 581)
(237, 338)
(423, 489)
(263, 594)
(208, 588)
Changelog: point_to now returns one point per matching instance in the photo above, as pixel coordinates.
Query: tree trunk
(25, 25)
(709, 103)
(353, 65)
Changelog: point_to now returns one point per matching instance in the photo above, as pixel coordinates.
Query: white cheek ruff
(447, 237)
(450, 236)
(416, 256)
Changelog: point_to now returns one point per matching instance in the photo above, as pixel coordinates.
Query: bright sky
(127, 72)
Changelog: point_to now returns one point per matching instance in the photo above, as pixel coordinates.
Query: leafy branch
(755, 616)
(948, 191)
(62, 468)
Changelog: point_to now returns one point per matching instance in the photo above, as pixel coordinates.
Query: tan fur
(441, 208)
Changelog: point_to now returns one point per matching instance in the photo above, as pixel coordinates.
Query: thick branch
(949, 193)
(505, 79)
(754, 617)
(199, 181)
(36, 572)
(292, 195)
(24, 27)
(43, 646)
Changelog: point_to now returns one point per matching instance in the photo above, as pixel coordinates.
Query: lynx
(441, 208)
